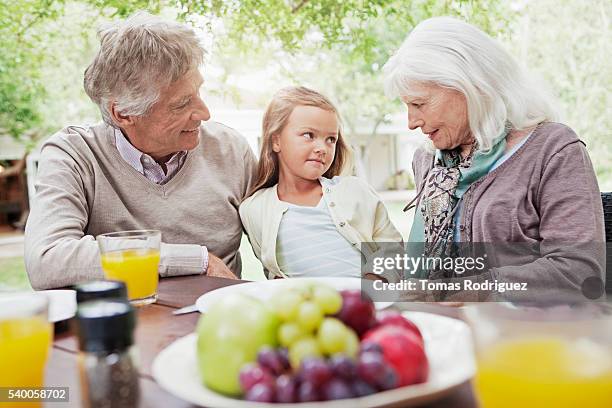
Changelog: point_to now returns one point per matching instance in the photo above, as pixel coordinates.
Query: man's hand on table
(218, 269)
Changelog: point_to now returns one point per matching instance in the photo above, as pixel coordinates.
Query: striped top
(309, 245)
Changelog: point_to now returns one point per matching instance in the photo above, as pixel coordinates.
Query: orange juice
(545, 372)
(136, 267)
(24, 347)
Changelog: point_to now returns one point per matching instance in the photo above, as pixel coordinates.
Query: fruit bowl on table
(447, 346)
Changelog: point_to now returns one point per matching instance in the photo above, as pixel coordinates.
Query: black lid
(96, 290)
(105, 325)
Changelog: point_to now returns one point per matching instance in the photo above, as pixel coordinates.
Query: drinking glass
(132, 257)
(25, 339)
(542, 356)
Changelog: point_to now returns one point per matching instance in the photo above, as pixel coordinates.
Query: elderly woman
(155, 162)
(499, 167)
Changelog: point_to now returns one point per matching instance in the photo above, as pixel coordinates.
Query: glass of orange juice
(132, 257)
(542, 356)
(25, 340)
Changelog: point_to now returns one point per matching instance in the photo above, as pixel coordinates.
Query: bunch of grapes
(270, 379)
(308, 328)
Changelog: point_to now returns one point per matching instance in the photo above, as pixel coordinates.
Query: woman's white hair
(453, 54)
(138, 58)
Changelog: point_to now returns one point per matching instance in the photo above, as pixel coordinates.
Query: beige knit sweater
(84, 188)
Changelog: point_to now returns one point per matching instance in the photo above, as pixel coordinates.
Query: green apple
(229, 335)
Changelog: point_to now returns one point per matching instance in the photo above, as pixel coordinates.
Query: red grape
(369, 346)
(307, 392)
(371, 367)
(269, 358)
(389, 379)
(315, 371)
(261, 392)
(286, 389)
(253, 374)
(283, 355)
(357, 311)
(335, 389)
(362, 388)
(343, 366)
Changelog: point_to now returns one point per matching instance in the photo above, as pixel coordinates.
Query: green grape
(304, 347)
(289, 333)
(332, 336)
(309, 316)
(328, 299)
(304, 289)
(351, 346)
(286, 304)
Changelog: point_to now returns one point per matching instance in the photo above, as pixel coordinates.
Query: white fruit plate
(447, 343)
(263, 290)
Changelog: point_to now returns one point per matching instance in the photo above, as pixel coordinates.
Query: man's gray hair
(139, 57)
(453, 54)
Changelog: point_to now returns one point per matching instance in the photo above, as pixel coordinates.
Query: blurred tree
(358, 30)
(569, 43)
(256, 23)
(337, 46)
(21, 90)
(342, 58)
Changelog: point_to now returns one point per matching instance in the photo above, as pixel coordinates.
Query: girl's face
(306, 146)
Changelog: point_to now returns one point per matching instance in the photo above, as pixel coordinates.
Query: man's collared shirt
(145, 164)
(148, 167)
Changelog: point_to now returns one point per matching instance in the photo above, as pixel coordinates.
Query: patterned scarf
(447, 181)
(439, 200)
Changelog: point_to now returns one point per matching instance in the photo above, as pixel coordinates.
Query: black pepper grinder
(102, 289)
(107, 358)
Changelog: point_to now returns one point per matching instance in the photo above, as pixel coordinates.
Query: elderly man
(154, 163)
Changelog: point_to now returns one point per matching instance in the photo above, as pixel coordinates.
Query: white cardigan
(357, 211)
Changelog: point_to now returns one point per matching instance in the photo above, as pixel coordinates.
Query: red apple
(394, 318)
(403, 350)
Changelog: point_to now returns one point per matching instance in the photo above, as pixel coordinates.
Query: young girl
(302, 217)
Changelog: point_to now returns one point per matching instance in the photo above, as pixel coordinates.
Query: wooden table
(156, 328)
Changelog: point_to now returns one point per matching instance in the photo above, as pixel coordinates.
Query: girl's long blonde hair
(275, 119)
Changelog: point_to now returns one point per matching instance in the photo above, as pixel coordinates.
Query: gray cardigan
(546, 195)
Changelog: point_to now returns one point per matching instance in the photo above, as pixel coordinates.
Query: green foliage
(123, 8)
(13, 274)
(20, 62)
(336, 46)
(353, 25)
(568, 44)
(342, 57)
(28, 35)
(18, 99)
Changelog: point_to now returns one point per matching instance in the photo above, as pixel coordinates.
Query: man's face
(174, 120)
